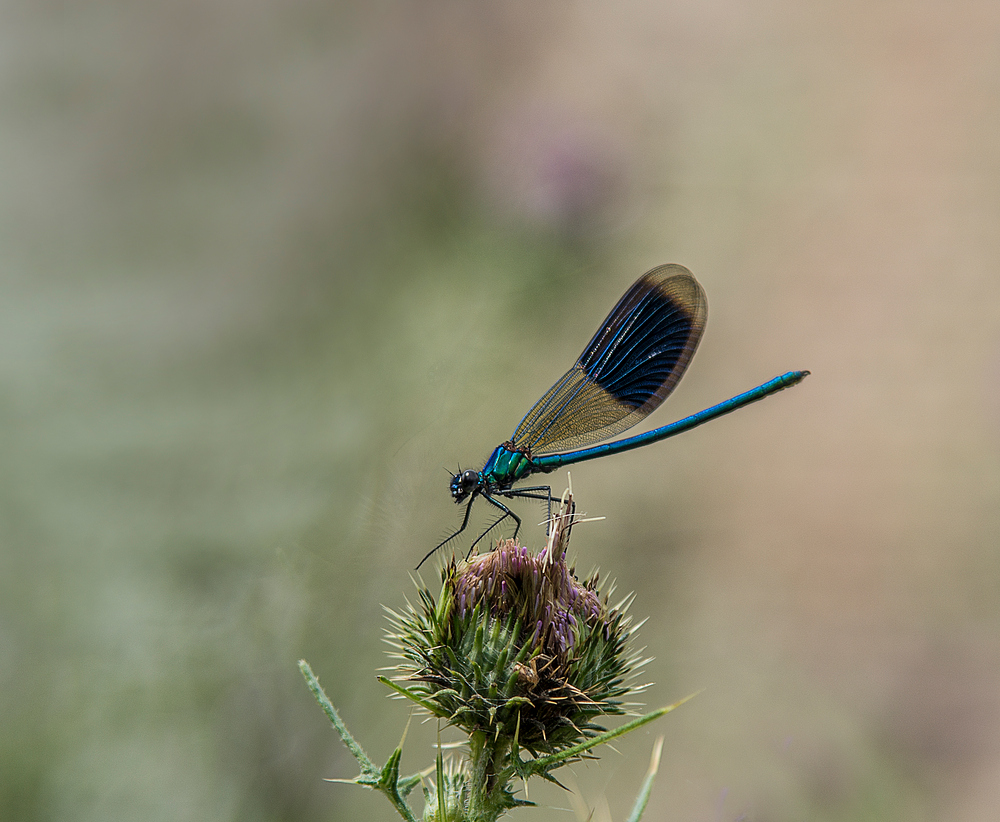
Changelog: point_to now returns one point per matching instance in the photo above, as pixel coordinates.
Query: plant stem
(367, 766)
(487, 794)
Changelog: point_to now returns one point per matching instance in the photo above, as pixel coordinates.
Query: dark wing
(631, 365)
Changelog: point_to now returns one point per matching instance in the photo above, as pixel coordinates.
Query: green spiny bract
(517, 650)
(453, 781)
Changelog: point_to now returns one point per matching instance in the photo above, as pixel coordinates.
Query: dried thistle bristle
(517, 647)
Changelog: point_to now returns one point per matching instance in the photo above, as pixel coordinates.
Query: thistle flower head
(517, 648)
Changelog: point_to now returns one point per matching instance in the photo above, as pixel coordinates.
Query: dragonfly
(632, 364)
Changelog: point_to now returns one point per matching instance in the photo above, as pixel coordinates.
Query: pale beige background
(267, 269)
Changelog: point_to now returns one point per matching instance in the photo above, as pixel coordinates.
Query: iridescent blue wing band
(634, 361)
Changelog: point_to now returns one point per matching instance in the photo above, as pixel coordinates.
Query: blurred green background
(268, 269)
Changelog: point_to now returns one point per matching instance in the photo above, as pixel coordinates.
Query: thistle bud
(521, 655)
(517, 649)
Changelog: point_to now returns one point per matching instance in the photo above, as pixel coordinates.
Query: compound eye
(464, 484)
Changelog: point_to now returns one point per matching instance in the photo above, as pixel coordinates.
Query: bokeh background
(268, 269)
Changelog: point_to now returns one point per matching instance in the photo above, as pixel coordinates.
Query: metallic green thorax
(506, 466)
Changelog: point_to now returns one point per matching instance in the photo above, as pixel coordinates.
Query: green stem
(479, 766)
(647, 784)
(367, 766)
(384, 779)
(546, 763)
(488, 794)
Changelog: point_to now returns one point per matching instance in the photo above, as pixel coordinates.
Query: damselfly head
(463, 484)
